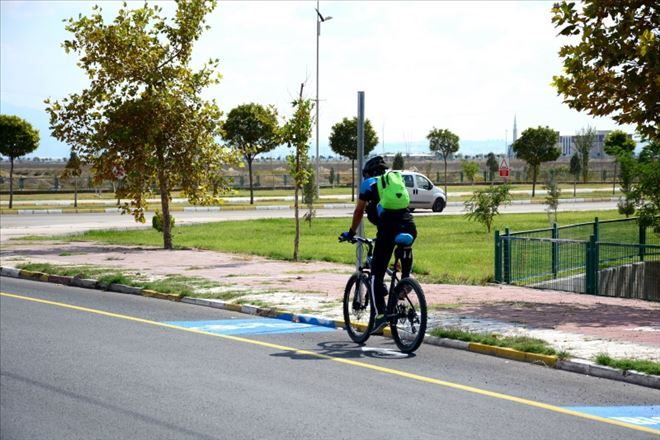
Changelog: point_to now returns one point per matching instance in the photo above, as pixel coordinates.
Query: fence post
(596, 229)
(498, 257)
(507, 256)
(587, 270)
(591, 272)
(555, 250)
(642, 242)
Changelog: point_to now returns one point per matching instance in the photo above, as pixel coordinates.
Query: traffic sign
(504, 169)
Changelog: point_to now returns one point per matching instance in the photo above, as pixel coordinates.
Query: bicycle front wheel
(358, 315)
(409, 324)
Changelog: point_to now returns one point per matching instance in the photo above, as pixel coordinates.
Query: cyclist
(389, 224)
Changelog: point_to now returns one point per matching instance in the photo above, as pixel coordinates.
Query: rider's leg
(381, 258)
(405, 255)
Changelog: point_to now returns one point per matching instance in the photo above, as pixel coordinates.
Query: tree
(445, 143)
(492, 165)
(618, 143)
(73, 169)
(17, 138)
(575, 170)
(552, 194)
(626, 203)
(611, 63)
(535, 146)
(398, 162)
(142, 114)
(470, 169)
(484, 204)
(309, 194)
(296, 133)
(645, 194)
(343, 141)
(251, 129)
(584, 142)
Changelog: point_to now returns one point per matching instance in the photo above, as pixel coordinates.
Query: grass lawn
(449, 249)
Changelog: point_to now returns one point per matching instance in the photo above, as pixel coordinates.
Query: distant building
(567, 145)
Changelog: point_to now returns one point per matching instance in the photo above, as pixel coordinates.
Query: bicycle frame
(365, 266)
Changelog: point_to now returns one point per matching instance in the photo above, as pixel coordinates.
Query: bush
(157, 221)
(484, 205)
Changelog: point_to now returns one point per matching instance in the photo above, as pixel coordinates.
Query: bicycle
(406, 305)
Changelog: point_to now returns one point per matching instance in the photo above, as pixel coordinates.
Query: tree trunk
(248, 159)
(614, 178)
(75, 192)
(296, 239)
(165, 205)
(352, 180)
(574, 185)
(445, 158)
(11, 182)
(533, 181)
(585, 168)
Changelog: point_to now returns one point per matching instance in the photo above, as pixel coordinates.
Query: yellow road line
(385, 370)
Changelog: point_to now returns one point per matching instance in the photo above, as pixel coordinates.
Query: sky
(467, 66)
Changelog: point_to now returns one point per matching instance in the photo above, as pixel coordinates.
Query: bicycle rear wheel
(409, 324)
(358, 315)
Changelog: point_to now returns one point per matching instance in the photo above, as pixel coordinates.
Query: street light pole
(319, 19)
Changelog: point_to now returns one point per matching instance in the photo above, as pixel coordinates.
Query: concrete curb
(573, 365)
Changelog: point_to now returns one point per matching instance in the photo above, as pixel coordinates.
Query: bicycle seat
(404, 239)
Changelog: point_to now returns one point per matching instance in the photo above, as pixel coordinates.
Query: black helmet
(374, 167)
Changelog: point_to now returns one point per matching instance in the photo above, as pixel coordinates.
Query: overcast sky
(466, 66)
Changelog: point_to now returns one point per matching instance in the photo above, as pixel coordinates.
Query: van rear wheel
(438, 205)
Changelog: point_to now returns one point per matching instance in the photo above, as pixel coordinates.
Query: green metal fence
(613, 258)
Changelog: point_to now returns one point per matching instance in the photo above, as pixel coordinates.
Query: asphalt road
(54, 224)
(78, 363)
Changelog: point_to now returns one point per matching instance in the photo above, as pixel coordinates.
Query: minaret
(510, 152)
(515, 129)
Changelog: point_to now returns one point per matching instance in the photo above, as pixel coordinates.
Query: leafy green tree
(398, 162)
(626, 203)
(470, 169)
(484, 204)
(251, 129)
(618, 143)
(343, 141)
(492, 165)
(445, 143)
(645, 194)
(73, 169)
(575, 170)
(611, 61)
(331, 178)
(142, 116)
(296, 133)
(535, 146)
(17, 138)
(584, 142)
(553, 192)
(310, 194)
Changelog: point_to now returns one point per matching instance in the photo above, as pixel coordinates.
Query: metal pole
(318, 34)
(360, 157)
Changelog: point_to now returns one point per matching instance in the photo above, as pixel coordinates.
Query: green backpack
(392, 191)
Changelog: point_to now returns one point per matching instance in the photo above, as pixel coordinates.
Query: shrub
(157, 221)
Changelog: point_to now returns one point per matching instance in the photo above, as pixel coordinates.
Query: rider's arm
(358, 214)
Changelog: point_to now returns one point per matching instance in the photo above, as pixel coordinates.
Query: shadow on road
(344, 350)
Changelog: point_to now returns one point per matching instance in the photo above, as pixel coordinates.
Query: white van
(423, 194)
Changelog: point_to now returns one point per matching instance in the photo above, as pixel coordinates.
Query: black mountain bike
(406, 305)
